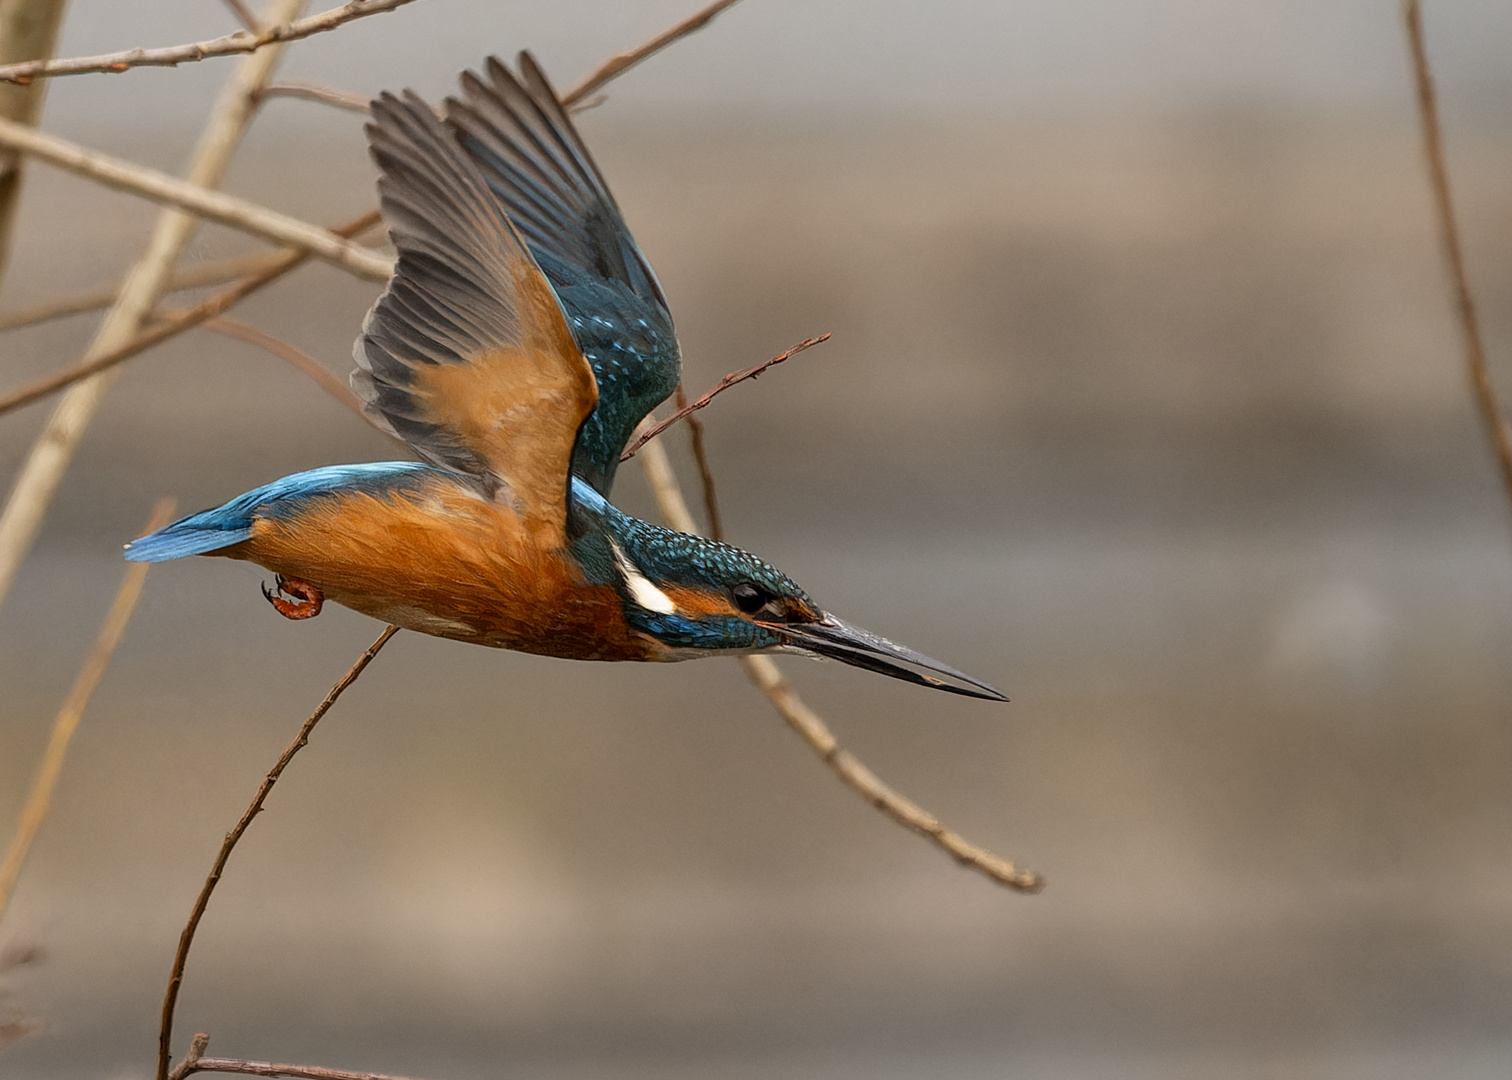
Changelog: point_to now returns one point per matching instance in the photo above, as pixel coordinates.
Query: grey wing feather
(451, 296)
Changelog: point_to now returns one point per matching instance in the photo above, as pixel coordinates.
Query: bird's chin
(834, 639)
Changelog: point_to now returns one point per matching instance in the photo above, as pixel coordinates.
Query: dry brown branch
(186, 939)
(302, 361)
(28, 31)
(39, 798)
(168, 324)
(197, 199)
(616, 66)
(765, 675)
(684, 411)
(195, 1062)
(211, 273)
(705, 472)
(243, 15)
(330, 95)
(53, 449)
(1492, 414)
(279, 31)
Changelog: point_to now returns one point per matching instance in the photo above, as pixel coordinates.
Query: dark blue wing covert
(532, 158)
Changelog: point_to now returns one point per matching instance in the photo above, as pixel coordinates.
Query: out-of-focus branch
(330, 95)
(186, 939)
(28, 31)
(211, 273)
(39, 799)
(168, 324)
(33, 490)
(765, 675)
(279, 31)
(243, 15)
(1492, 414)
(684, 411)
(616, 66)
(198, 199)
(705, 472)
(302, 361)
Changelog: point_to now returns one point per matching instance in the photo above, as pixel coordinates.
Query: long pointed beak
(838, 640)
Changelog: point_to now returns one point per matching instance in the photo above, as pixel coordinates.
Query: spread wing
(467, 356)
(520, 137)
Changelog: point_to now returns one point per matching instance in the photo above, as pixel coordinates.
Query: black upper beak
(849, 644)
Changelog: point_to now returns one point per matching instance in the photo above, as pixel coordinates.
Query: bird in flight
(521, 340)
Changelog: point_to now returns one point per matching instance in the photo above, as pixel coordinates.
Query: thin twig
(705, 471)
(39, 799)
(684, 411)
(330, 95)
(766, 676)
(243, 41)
(186, 939)
(167, 324)
(217, 206)
(196, 1062)
(616, 66)
(301, 360)
(211, 273)
(1492, 414)
(28, 31)
(243, 16)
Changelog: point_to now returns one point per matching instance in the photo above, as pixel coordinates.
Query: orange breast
(443, 560)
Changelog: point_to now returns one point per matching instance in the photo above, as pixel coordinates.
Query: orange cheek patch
(695, 602)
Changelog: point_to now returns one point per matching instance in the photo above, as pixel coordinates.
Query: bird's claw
(307, 602)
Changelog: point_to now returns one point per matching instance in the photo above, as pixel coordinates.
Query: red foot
(307, 601)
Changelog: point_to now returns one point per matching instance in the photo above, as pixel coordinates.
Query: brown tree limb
(196, 277)
(243, 41)
(186, 939)
(705, 472)
(28, 31)
(302, 361)
(196, 199)
(168, 324)
(765, 675)
(1492, 414)
(685, 411)
(616, 66)
(39, 798)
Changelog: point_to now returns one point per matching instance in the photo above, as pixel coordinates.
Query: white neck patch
(644, 593)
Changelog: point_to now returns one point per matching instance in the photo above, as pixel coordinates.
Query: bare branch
(684, 411)
(243, 41)
(39, 799)
(171, 323)
(210, 273)
(330, 95)
(1492, 414)
(51, 452)
(243, 16)
(616, 66)
(197, 199)
(186, 939)
(705, 472)
(766, 676)
(312, 368)
(28, 30)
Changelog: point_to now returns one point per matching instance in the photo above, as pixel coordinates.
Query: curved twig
(186, 939)
(616, 66)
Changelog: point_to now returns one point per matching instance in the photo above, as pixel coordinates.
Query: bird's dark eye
(749, 598)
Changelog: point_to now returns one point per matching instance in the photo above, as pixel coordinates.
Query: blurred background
(1144, 402)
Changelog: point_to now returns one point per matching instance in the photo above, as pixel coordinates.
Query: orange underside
(448, 562)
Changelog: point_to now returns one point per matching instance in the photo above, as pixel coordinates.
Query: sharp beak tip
(836, 639)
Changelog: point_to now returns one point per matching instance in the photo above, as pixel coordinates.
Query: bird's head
(699, 597)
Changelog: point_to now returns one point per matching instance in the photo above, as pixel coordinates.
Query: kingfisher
(521, 340)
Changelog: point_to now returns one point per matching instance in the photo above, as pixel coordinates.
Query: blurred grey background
(1144, 402)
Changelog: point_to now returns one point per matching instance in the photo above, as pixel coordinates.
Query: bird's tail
(197, 534)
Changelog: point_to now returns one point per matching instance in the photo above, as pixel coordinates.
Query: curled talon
(307, 602)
